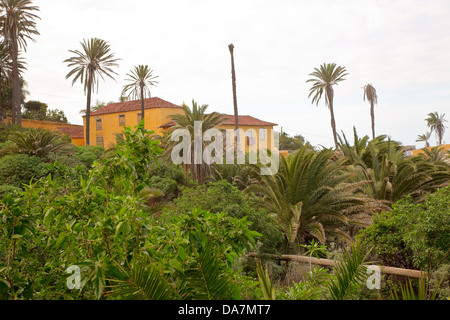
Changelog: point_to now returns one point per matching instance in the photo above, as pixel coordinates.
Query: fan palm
(187, 121)
(434, 154)
(18, 24)
(323, 80)
(89, 65)
(141, 79)
(390, 174)
(312, 196)
(424, 138)
(371, 95)
(37, 142)
(435, 122)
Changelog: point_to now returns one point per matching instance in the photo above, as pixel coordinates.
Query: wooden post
(330, 263)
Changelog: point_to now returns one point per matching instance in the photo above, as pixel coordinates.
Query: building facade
(112, 119)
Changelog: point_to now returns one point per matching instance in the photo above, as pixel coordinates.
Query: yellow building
(112, 118)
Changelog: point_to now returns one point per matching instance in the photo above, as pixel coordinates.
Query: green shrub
(16, 170)
(224, 197)
(412, 235)
(88, 154)
(6, 189)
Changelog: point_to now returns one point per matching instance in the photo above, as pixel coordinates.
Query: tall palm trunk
(88, 110)
(329, 92)
(372, 115)
(16, 98)
(236, 114)
(142, 104)
(1, 104)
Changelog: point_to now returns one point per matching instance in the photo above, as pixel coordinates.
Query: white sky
(402, 47)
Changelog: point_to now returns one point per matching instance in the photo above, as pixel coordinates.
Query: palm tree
(312, 196)
(98, 106)
(236, 114)
(435, 122)
(93, 62)
(390, 174)
(18, 24)
(371, 95)
(187, 121)
(5, 70)
(324, 79)
(37, 142)
(141, 79)
(424, 138)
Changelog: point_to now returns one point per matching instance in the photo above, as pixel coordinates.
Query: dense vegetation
(138, 227)
(133, 225)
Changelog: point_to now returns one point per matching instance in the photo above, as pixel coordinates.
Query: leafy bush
(88, 154)
(16, 170)
(6, 189)
(413, 235)
(223, 197)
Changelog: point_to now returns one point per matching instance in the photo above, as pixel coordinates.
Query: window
(98, 124)
(249, 140)
(100, 141)
(121, 120)
(262, 134)
(139, 117)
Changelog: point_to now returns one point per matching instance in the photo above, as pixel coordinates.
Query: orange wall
(78, 141)
(38, 124)
(154, 118)
(50, 125)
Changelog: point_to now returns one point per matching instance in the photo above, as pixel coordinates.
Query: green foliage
(312, 196)
(413, 235)
(239, 174)
(88, 154)
(223, 197)
(407, 292)
(349, 272)
(37, 142)
(390, 175)
(130, 161)
(312, 287)
(175, 240)
(293, 143)
(6, 189)
(37, 110)
(265, 282)
(16, 170)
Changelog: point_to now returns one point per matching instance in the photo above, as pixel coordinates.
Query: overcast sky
(402, 47)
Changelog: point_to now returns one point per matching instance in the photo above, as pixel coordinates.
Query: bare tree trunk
(142, 104)
(88, 110)
(372, 115)
(1, 104)
(333, 124)
(16, 98)
(236, 114)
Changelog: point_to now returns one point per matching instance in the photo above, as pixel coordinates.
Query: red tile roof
(133, 106)
(73, 132)
(229, 120)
